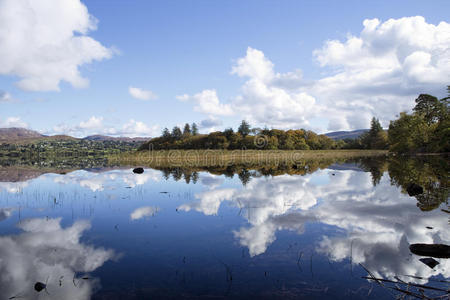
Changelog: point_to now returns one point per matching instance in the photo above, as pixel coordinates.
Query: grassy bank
(223, 158)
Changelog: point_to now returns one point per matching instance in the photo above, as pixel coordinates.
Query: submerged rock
(431, 262)
(39, 286)
(414, 189)
(433, 250)
(138, 170)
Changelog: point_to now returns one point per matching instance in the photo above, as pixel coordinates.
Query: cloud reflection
(379, 222)
(143, 212)
(47, 252)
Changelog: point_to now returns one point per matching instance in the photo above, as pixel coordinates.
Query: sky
(133, 67)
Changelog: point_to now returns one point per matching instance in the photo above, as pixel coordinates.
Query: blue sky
(201, 61)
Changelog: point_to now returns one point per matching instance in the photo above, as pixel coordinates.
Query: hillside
(111, 138)
(14, 134)
(25, 136)
(340, 135)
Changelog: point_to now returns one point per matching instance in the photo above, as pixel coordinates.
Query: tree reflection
(430, 172)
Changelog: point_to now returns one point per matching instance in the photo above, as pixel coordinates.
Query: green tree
(166, 133)
(186, 130)
(194, 129)
(229, 132)
(244, 128)
(409, 133)
(176, 133)
(429, 107)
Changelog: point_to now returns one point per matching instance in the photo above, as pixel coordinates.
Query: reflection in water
(379, 222)
(346, 214)
(143, 212)
(5, 213)
(46, 252)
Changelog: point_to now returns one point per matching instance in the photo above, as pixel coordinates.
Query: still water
(171, 234)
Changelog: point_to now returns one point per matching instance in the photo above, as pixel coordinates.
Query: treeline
(427, 129)
(244, 138)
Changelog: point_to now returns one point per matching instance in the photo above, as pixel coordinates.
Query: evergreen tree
(166, 133)
(244, 128)
(176, 133)
(194, 129)
(375, 127)
(187, 130)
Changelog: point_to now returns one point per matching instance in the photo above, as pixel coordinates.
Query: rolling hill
(24, 136)
(340, 135)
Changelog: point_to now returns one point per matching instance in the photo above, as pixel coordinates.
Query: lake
(312, 232)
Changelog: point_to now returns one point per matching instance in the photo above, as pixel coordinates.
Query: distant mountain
(14, 134)
(340, 135)
(22, 135)
(111, 138)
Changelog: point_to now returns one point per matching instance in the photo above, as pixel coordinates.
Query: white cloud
(376, 73)
(93, 123)
(141, 94)
(45, 42)
(265, 97)
(208, 102)
(13, 122)
(183, 98)
(96, 125)
(136, 128)
(381, 71)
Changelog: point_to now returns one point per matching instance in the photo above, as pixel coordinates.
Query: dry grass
(223, 158)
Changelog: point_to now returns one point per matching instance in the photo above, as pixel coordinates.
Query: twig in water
(351, 258)
(298, 260)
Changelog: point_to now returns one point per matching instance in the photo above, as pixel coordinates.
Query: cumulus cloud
(265, 97)
(93, 123)
(46, 42)
(13, 122)
(96, 125)
(208, 102)
(137, 128)
(46, 250)
(141, 94)
(377, 72)
(381, 70)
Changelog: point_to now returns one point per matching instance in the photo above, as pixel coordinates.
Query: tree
(229, 132)
(376, 138)
(187, 130)
(409, 133)
(375, 127)
(194, 129)
(244, 128)
(176, 133)
(429, 107)
(166, 133)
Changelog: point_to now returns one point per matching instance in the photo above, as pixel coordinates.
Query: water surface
(178, 233)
